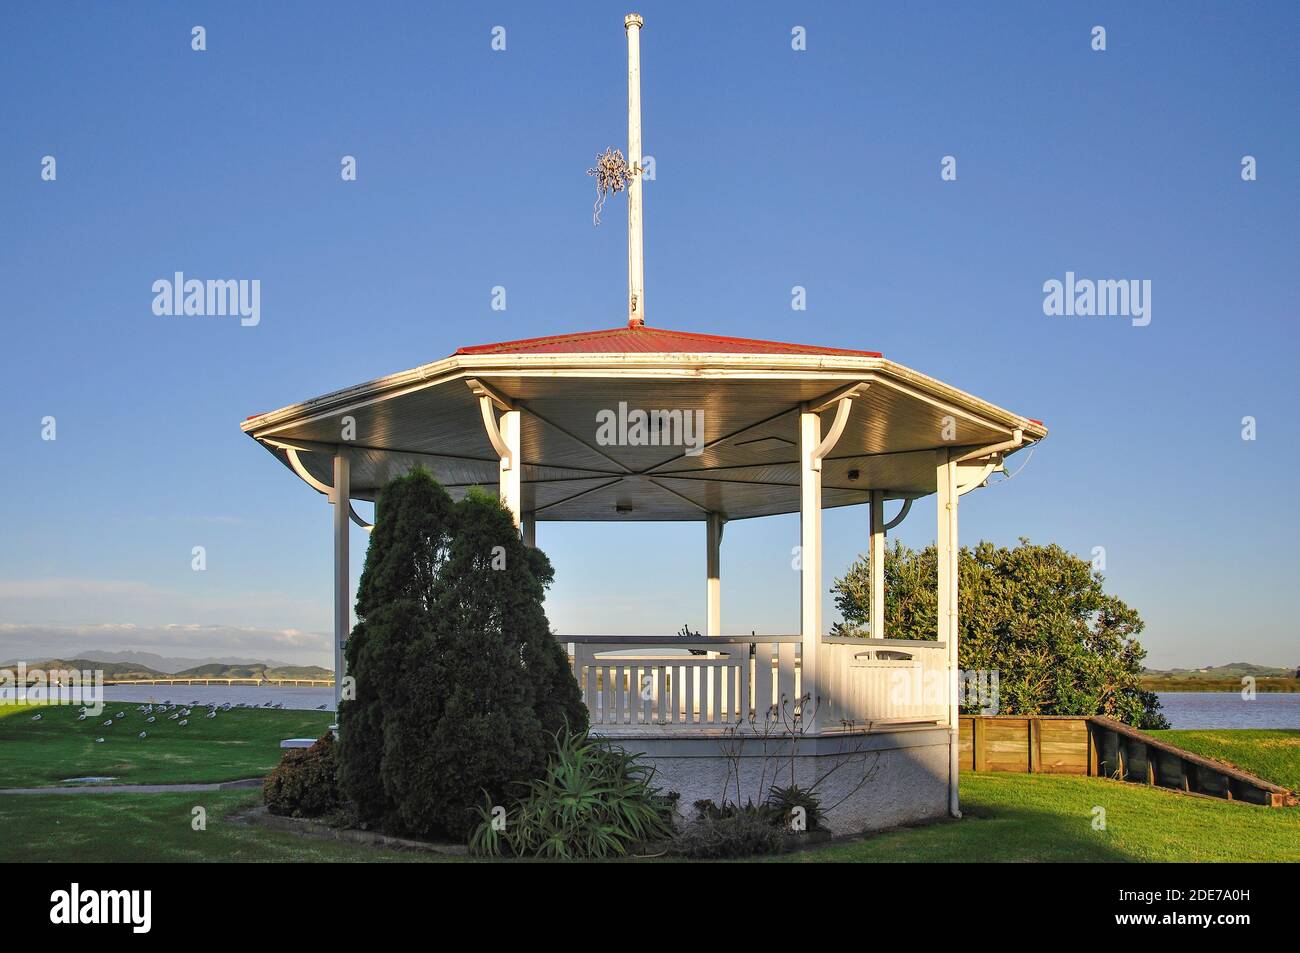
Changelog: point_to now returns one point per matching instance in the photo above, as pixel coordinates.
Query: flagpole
(632, 23)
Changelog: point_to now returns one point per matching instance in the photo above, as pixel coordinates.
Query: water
(302, 697)
(1230, 710)
(1183, 709)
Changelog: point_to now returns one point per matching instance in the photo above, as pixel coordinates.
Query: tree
(461, 687)
(399, 587)
(1037, 615)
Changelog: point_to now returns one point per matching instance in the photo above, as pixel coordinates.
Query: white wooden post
(632, 23)
(340, 497)
(946, 545)
(510, 466)
(714, 570)
(810, 557)
(877, 564)
(529, 529)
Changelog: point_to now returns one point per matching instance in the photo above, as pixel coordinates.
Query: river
(1183, 709)
(1230, 710)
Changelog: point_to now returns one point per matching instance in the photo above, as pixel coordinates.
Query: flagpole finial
(633, 19)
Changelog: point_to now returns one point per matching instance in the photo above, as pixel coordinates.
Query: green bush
(460, 684)
(378, 728)
(304, 783)
(1037, 615)
(784, 801)
(594, 801)
(723, 833)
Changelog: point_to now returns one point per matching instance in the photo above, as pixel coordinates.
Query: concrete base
(866, 780)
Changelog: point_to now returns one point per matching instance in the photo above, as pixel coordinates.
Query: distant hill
(255, 670)
(125, 671)
(112, 670)
(171, 664)
(1231, 670)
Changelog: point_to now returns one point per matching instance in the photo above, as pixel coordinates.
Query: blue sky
(774, 168)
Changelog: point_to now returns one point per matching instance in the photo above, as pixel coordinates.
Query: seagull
(150, 720)
(320, 707)
(36, 717)
(99, 741)
(183, 722)
(143, 734)
(81, 717)
(107, 723)
(120, 714)
(211, 714)
(173, 716)
(185, 713)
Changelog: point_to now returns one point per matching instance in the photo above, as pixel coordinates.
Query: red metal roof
(646, 340)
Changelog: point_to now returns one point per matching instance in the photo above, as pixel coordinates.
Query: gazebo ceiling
(745, 464)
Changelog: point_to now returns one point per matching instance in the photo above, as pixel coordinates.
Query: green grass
(128, 828)
(1043, 818)
(1271, 754)
(1009, 817)
(1183, 683)
(242, 743)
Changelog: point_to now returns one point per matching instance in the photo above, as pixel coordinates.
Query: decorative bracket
(843, 401)
(356, 518)
(487, 399)
(902, 515)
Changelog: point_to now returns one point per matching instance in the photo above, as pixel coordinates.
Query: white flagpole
(632, 23)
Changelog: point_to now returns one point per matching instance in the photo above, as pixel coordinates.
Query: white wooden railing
(754, 681)
(656, 680)
(880, 681)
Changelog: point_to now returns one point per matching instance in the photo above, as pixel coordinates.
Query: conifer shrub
(460, 685)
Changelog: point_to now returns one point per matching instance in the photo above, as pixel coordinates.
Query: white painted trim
(306, 477)
(342, 568)
(901, 515)
(494, 431)
(877, 564)
(713, 574)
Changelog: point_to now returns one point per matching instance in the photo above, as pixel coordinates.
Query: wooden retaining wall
(1103, 747)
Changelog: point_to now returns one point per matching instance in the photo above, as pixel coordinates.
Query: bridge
(220, 680)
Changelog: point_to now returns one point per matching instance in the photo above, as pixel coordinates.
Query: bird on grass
(81, 717)
(173, 716)
(99, 741)
(36, 717)
(107, 723)
(120, 714)
(211, 714)
(184, 722)
(143, 734)
(150, 720)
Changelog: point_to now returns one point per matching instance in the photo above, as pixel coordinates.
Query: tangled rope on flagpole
(612, 175)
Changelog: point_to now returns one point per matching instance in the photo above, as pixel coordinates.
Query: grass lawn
(1044, 818)
(242, 743)
(117, 828)
(1009, 817)
(1270, 753)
